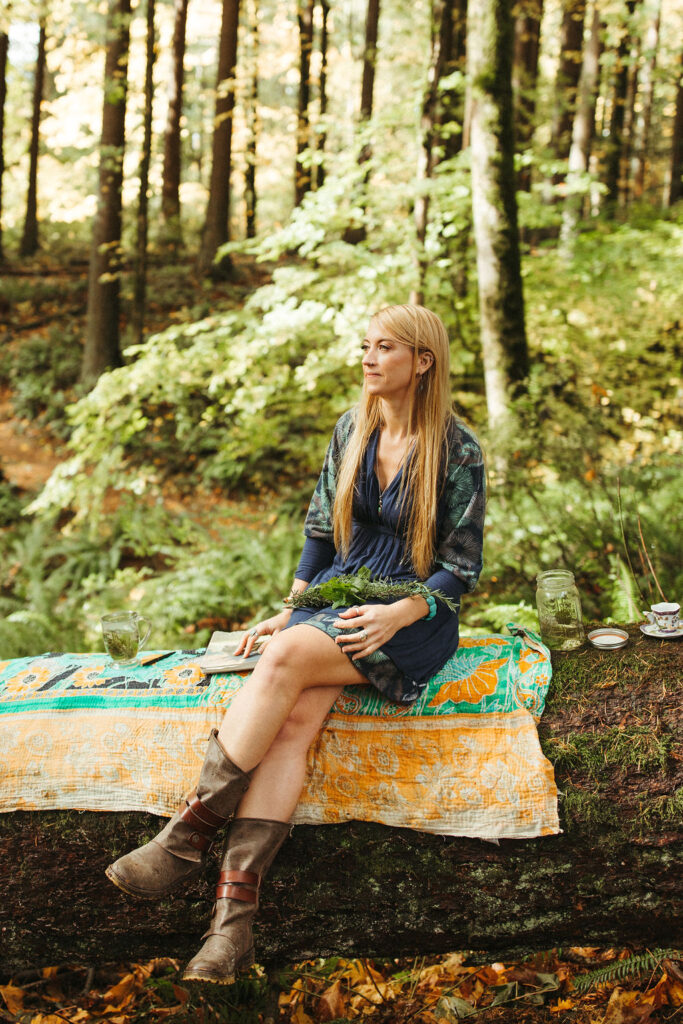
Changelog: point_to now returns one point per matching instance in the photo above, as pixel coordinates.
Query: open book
(220, 654)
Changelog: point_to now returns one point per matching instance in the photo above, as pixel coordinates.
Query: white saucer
(649, 629)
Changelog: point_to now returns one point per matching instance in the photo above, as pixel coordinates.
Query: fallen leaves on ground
(434, 990)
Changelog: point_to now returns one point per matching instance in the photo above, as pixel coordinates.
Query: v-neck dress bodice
(416, 652)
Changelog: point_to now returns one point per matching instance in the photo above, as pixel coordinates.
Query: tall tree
(615, 149)
(170, 188)
(494, 204)
(29, 238)
(429, 125)
(321, 137)
(641, 133)
(4, 49)
(102, 349)
(582, 133)
(143, 199)
(525, 77)
(568, 73)
(369, 67)
(252, 120)
(676, 184)
(451, 109)
(217, 224)
(629, 121)
(302, 170)
(356, 232)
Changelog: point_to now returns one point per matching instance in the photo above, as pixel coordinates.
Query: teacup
(665, 616)
(123, 635)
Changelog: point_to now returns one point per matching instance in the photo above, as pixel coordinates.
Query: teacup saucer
(649, 629)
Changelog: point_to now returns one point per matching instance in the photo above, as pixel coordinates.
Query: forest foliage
(228, 401)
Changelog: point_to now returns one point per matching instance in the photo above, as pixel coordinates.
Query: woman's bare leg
(277, 782)
(294, 661)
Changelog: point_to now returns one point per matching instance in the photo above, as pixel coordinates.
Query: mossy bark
(494, 204)
(614, 729)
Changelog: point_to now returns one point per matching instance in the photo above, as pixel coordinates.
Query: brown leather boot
(229, 947)
(178, 853)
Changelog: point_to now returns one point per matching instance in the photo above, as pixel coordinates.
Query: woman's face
(387, 365)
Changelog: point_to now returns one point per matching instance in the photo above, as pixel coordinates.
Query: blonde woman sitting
(401, 492)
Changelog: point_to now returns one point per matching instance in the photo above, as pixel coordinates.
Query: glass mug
(123, 635)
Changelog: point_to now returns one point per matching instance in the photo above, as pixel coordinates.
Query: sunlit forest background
(202, 203)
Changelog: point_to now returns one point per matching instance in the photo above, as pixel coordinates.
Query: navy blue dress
(401, 668)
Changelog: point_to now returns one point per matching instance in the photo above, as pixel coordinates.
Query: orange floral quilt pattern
(463, 760)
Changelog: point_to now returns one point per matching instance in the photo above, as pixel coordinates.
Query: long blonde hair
(430, 416)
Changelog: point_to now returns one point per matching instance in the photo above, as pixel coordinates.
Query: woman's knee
(276, 667)
(305, 720)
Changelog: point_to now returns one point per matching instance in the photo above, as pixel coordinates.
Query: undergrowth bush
(41, 374)
(55, 586)
(246, 399)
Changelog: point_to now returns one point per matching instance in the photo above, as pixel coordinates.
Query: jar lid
(608, 638)
(561, 575)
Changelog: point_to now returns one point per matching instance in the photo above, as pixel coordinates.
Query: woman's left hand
(371, 625)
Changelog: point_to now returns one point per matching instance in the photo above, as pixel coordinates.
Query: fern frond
(619, 970)
(625, 597)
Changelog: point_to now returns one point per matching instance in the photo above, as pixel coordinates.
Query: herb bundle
(349, 589)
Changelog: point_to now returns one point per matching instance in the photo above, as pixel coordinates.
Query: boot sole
(140, 894)
(244, 964)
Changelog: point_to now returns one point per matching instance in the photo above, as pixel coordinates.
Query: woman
(402, 492)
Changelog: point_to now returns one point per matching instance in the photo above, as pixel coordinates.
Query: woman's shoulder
(463, 443)
(344, 427)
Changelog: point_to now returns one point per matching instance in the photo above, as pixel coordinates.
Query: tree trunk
(217, 225)
(452, 99)
(452, 128)
(494, 205)
(525, 78)
(582, 135)
(641, 135)
(102, 349)
(4, 47)
(143, 201)
(369, 60)
(568, 73)
(302, 169)
(676, 184)
(613, 728)
(29, 238)
(615, 148)
(441, 9)
(252, 122)
(356, 233)
(629, 121)
(170, 188)
(321, 138)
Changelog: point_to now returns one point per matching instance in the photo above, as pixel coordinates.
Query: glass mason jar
(559, 610)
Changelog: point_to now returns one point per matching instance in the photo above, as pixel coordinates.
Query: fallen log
(613, 727)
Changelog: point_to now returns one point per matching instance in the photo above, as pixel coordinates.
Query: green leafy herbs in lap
(348, 589)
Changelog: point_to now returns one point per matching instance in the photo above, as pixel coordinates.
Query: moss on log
(613, 728)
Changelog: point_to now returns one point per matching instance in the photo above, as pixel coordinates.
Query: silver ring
(253, 632)
(362, 635)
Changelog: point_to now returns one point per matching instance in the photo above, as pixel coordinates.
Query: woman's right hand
(269, 627)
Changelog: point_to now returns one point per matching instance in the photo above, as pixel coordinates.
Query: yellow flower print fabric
(463, 760)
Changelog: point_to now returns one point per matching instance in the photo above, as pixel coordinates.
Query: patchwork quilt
(77, 731)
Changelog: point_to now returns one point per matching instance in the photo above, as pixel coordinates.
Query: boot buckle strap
(200, 812)
(241, 877)
(200, 841)
(190, 818)
(236, 892)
